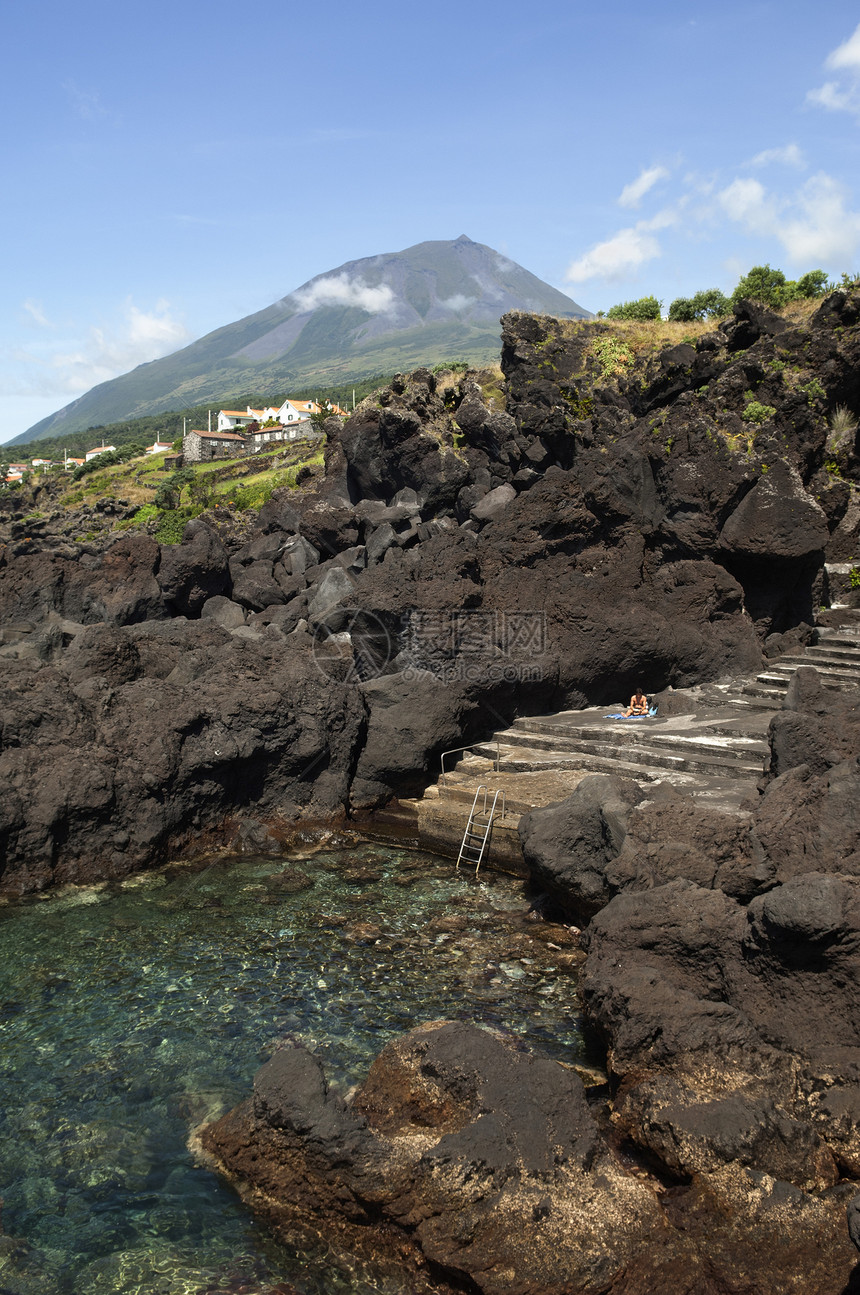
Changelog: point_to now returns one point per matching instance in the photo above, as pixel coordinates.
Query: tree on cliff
(644, 308)
(710, 304)
(771, 286)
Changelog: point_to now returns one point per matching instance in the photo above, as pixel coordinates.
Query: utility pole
(210, 420)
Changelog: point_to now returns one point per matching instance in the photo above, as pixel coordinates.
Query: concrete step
(838, 681)
(730, 742)
(834, 650)
(670, 750)
(769, 686)
(823, 664)
(465, 796)
(523, 759)
(845, 635)
(757, 700)
(586, 755)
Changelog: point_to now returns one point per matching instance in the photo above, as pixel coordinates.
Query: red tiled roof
(216, 436)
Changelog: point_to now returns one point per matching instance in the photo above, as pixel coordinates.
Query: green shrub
(763, 284)
(682, 310)
(450, 366)
(709, 304)
(854, 578)
(756, 412)
(813, 284)
(613, 356)
(772, 287)
(172, 523)
(644, 308)
(813, 390)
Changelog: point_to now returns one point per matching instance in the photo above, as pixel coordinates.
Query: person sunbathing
(638, 704)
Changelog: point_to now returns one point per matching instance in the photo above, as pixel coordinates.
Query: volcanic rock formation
(469, 555)
(489, 553)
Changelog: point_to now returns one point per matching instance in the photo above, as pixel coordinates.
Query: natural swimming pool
(131, 1013)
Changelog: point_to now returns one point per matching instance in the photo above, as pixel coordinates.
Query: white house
(230, 419)
(287, 414)
(159, 447)
(100, 449)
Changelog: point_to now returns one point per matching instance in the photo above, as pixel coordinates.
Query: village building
(288, 414)
(159, 447)
(258, 438)
(100, 449)
(291, 411)
(202, 446)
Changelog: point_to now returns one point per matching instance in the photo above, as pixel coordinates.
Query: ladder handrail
(455, 749)
(487, 827)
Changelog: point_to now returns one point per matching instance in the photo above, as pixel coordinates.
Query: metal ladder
(478, 828)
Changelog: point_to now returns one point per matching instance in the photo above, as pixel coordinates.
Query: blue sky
(171, 167)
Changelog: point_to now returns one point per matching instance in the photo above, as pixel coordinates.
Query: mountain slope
(434, 301)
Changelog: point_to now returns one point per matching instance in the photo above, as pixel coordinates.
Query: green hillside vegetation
(146, 494)
(168, 426)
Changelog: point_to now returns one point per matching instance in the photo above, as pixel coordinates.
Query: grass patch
(641, 336)
(613, 355)
(172, 523)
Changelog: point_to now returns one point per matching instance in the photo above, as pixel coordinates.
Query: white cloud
(748, 203)
(71, 366)
(663, 219)
(789, 155)
(842, 94)
(36, 313)
(340, 290)
(458, 302)
(846, 55)
(487, 288)
(633, 193)
(824, 230)
(615, 257)
(813, 225)
(832, 97)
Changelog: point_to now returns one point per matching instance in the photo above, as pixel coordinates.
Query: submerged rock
(474, 1162)
(463, 1154)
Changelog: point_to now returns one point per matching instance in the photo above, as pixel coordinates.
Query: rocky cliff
(471, 553)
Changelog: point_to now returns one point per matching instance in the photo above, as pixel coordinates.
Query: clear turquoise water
(130, 1014)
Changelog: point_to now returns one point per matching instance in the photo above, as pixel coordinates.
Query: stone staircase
(717, 752)
(835, 655)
